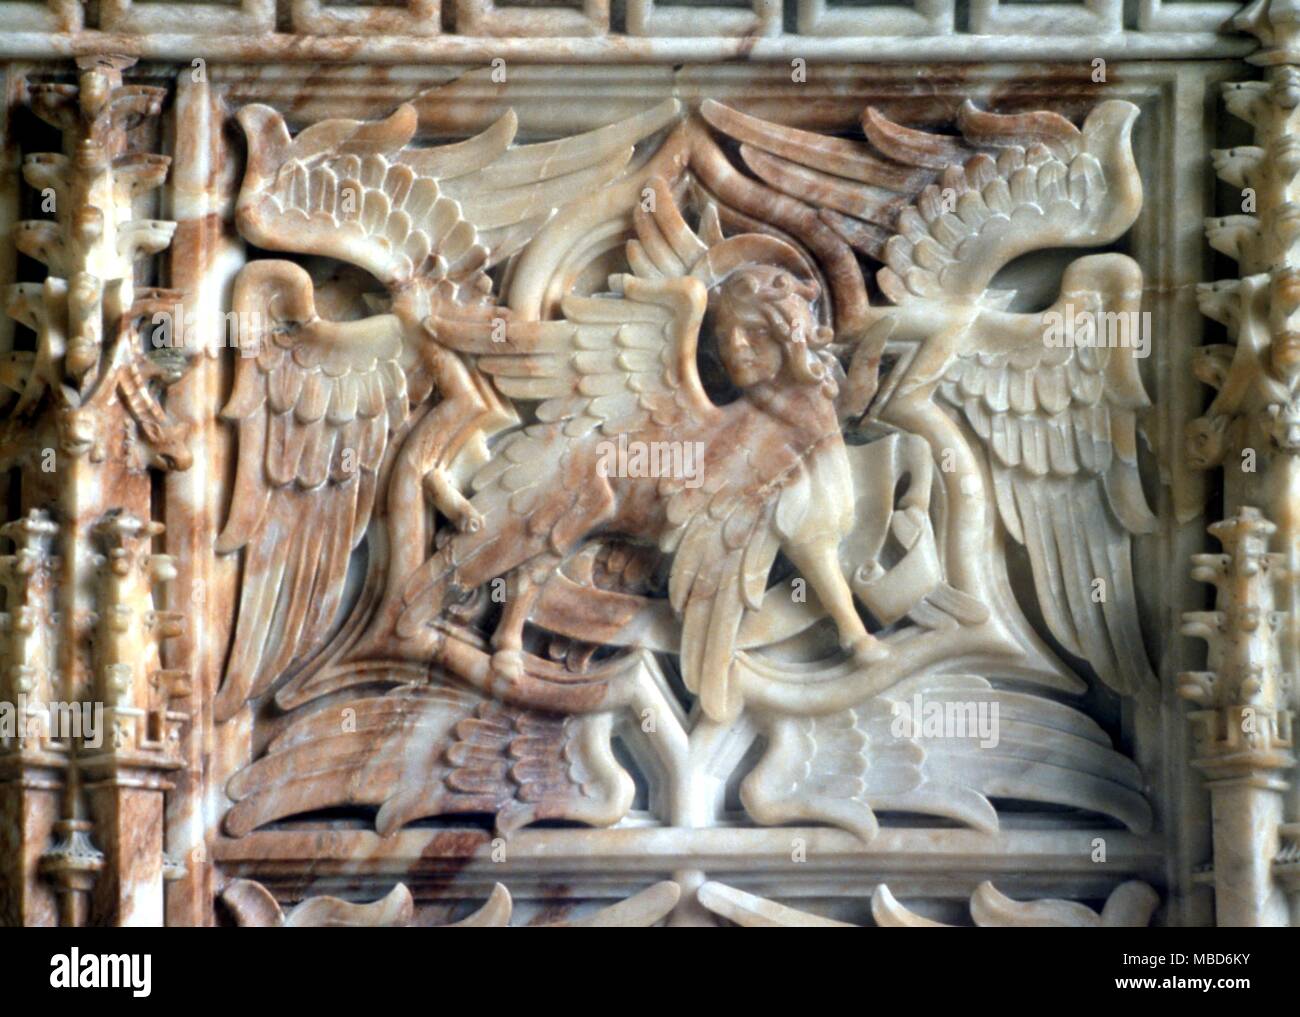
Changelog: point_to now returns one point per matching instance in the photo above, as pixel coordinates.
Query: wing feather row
(1060, 427)
(427, 752)
(944, 213)
(314, 409)
(354, 191)
(845, 767)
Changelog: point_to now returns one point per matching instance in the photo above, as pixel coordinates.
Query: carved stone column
(32, 764)
(1243, 734)
(90, 425)
(126, 778)
(1252, 429)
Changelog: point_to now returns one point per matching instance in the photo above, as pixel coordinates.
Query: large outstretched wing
(945, 214)
(941, 745)
(1059, 423)
(352, 190)
(317, 405)
(433, 751)
(1039, 182)
(942, 215)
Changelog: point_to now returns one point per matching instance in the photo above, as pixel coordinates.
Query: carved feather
(354, 191)
(820, 768)
(1060, 428)
(314, 408)
(426, 752)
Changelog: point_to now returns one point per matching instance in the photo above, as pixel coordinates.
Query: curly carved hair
(760, 296)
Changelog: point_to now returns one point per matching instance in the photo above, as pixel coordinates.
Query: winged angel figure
(322, 406)
(978, 411)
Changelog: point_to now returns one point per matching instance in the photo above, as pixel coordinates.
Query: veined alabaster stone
(630, 465)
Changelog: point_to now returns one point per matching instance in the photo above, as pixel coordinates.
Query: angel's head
(764, 322)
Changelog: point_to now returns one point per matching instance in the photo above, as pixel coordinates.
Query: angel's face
(750, 354)
(761, 311)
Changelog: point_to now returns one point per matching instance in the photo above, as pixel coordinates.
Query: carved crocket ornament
(717, 495)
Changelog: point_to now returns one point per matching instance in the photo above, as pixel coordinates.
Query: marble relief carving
(628, 525)
(444, 501)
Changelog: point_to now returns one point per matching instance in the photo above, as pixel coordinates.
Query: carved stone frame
(1167, 242)
(452, 866)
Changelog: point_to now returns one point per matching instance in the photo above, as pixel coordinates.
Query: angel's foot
(468, 519)
(456, 507)
(868, 650)
(451, 503)
(508, 664)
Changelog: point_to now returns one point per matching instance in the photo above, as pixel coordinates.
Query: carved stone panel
(494, 465)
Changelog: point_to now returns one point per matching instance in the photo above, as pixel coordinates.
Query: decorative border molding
(138, 17)
(478, 31)
(646, 18)
(1092, 17)
(1166, 16)
(922, 17)
(489, 19)
(415, 17)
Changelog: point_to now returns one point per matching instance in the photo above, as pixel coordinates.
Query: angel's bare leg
(464, 407)
(450, 502)
(820, 564)
(522, 588)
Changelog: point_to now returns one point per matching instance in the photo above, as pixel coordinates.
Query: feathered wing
(724, 546)
(885, 756)
(1059, 426)
(352, 190)
(314, 408)
(1033, 181)
(942, 215)
(614, 366)
(945, 214)
(1058, 423)
(621, 365)
(432, 751)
